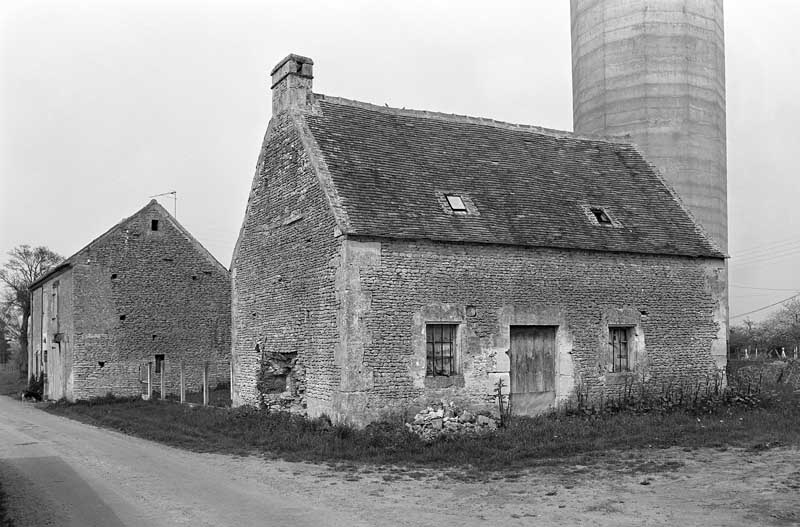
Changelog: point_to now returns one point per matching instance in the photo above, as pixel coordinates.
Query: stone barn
(390, 258)
(144, 293)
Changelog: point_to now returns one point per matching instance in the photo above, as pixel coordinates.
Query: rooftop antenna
(174, 195)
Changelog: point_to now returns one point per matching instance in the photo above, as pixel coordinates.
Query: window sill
(444, 382)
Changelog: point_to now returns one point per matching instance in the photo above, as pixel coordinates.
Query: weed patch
(757, 423)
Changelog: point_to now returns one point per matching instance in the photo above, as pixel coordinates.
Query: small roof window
(601, 215)
(456, 203)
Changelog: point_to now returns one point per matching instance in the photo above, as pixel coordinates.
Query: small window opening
(194, 277)
(153, 225)
(620, 352)
(208, 273)
(101, 363)
(159, 362)
(114, 276)
(154, 337)
(122, 317)
(441, 350)
(456, 203)
(601, 216)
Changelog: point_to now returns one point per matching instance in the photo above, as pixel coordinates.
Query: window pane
(440, 349)
(456, 203)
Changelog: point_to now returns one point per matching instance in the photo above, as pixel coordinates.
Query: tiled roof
(522, 185)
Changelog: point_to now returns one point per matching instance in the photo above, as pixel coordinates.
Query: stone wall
(284, 304)
(140, 292)
(674, 305)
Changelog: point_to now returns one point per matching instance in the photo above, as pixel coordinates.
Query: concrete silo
(655, 70)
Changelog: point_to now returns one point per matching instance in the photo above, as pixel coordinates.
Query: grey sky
(103, 104)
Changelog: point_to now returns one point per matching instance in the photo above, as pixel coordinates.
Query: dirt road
(63, 473)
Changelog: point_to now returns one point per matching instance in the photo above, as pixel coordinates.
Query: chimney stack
(291, 84)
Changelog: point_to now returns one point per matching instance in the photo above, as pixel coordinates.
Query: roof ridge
(469, 119)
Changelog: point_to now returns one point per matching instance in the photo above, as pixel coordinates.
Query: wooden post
(163, 395)
(205, 383)
(183, 386)
(149, 381)
(231, 377)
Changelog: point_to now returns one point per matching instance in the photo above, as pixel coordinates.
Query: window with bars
(441, 350)
(620, 350)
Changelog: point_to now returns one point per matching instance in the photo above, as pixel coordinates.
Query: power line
(763, 246)
(766, 307)
(796, 289)
(765, 258)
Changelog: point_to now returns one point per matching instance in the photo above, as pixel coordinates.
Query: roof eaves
(52, 273)
(676, 254)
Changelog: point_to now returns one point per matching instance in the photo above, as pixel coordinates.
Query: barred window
(620, 356)
(441, 350)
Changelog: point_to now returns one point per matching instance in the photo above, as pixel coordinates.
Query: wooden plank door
(532, 373)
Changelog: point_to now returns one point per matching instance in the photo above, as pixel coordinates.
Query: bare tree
(25, 265)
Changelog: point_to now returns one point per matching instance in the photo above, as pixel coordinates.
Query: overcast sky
(104, 104)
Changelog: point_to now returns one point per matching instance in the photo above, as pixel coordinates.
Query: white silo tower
(655, 70)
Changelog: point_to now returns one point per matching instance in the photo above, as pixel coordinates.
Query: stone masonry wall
(141, 292)
(675, 305)
(284, 304)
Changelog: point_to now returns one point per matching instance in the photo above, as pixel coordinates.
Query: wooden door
(533, 359)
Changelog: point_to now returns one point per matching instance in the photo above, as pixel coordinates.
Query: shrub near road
(763, 420)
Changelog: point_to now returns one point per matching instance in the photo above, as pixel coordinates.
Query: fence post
(205, 383)
(163, 367)
(183, 386)
(149, 381)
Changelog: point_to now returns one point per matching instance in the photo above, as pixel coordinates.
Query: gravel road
(63, 473)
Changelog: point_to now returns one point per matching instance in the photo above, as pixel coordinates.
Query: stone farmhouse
(144, 293)
(390, 258)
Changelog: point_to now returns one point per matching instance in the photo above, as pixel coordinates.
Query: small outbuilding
(390, 258)
(143, 296)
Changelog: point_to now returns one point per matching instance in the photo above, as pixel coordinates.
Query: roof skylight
(456, 203)
(601, 215)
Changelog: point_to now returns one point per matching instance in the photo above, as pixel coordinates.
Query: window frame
(159, 360)
(628, 333)
(431, 352)
(451, 198)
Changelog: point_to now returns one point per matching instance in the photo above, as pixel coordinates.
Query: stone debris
(446, 419)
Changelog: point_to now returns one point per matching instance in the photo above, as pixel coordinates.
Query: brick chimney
(291, 84)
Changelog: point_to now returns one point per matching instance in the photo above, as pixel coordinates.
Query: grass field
(763, 423)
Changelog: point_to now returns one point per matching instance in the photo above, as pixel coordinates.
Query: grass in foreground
(526, 441)
(5, 520)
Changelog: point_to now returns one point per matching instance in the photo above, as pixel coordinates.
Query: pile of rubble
(446, 419)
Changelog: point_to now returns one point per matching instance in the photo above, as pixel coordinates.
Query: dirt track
(60, 472)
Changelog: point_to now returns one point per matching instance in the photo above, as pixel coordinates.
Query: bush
(35, 389)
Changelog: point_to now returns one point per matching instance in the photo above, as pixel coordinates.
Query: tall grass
(757, 420)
